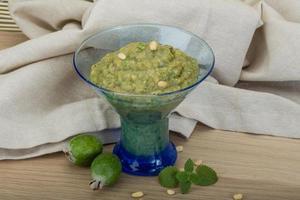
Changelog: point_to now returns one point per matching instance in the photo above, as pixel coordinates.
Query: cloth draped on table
(255, 86)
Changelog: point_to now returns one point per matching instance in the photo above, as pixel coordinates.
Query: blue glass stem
(144, 148)
(144, 138)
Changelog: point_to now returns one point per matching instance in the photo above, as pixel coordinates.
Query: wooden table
(260, 167)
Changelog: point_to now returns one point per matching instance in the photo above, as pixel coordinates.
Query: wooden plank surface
(260, 167)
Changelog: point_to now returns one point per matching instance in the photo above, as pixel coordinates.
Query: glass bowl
(144, 147)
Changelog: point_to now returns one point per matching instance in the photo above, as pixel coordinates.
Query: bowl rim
(102, 89)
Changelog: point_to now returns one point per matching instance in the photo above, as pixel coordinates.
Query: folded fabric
(254, 86)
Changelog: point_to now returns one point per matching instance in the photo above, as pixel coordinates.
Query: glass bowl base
(146, 165)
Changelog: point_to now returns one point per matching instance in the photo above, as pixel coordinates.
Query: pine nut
(179, 148)
(170, 192)
(198, 162)
(153, 45)
(137, 194)
(122, 56)
(162, 84)
(238, 196)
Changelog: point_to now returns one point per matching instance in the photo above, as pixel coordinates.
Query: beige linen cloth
(255, 86)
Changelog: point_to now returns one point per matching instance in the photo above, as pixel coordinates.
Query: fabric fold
(43, 102)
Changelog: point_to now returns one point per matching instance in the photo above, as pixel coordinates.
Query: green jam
(145, 68)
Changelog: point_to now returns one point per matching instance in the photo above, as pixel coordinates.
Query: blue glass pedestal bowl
(144, 147)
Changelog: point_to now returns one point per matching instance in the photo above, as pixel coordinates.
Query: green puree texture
(142, 69)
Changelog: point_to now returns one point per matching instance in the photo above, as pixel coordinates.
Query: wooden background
(260, 167)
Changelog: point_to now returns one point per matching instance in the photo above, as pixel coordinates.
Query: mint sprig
(202, 175)
(184, 177)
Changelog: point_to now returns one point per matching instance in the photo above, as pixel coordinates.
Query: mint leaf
(182, 176)
(185, 186)
(204, 176)
(189, 166)
(195, 179)
(167, 177)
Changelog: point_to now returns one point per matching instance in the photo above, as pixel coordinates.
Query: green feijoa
(167, 177)
(106, 170)
(82, 149)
